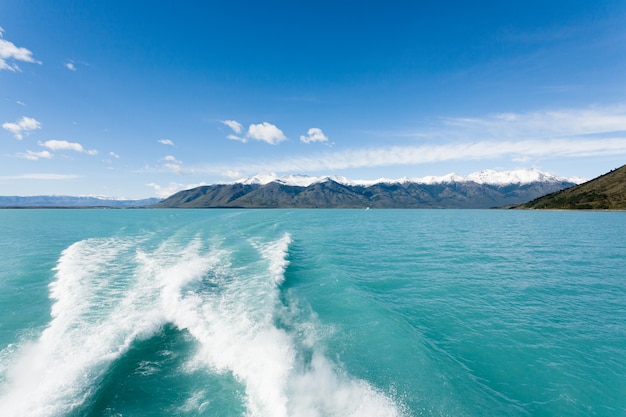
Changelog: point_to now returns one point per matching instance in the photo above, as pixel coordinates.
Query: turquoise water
(309, 313)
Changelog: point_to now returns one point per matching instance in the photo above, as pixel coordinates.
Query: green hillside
(607, 192)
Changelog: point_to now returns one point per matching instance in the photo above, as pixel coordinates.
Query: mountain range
(69, 201)
(606, 192)
(484, 189)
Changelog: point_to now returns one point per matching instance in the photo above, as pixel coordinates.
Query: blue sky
(144, 98)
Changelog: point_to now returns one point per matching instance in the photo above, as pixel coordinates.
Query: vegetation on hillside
(607, 192)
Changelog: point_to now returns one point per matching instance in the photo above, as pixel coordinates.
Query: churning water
(308, 313)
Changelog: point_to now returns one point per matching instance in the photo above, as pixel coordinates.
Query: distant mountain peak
(483, 189)
(73, 201)
(488, 176)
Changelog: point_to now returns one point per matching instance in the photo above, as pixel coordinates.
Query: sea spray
(375, 313)
(94, 320)
(237, 332)
(108, 293)
(276, 253)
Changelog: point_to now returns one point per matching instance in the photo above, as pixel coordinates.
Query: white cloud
(70, 66)
(166, 191)
(266, 132)
(170, 158)
(234, 125)
(114, 155)
(237, 128)
(9, 52)
(238, 138)
(552, 123)
(171, 188)
(172, 164)
(166, 142)
(63, 145)
(22, 127)
(33, 156)
(314, 134)
(231, 174)
(175, 168)
(517, 137)
(422, 154)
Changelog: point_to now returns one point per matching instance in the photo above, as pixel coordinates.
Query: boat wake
(110, 293)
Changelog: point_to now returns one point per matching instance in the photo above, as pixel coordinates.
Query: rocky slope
(484, 189)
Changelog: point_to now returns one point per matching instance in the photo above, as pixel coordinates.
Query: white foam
(238, 334)
(322, 390)
(99, 309)
(276, 254)
(197, 403)
(101, 304)
(235, 329)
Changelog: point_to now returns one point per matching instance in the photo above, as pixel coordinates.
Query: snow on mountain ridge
(489, 176)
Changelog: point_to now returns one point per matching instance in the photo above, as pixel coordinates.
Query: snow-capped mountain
(482, 189)
(492, 177)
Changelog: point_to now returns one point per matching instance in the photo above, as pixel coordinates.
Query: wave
(96, 314)
(108, 293)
